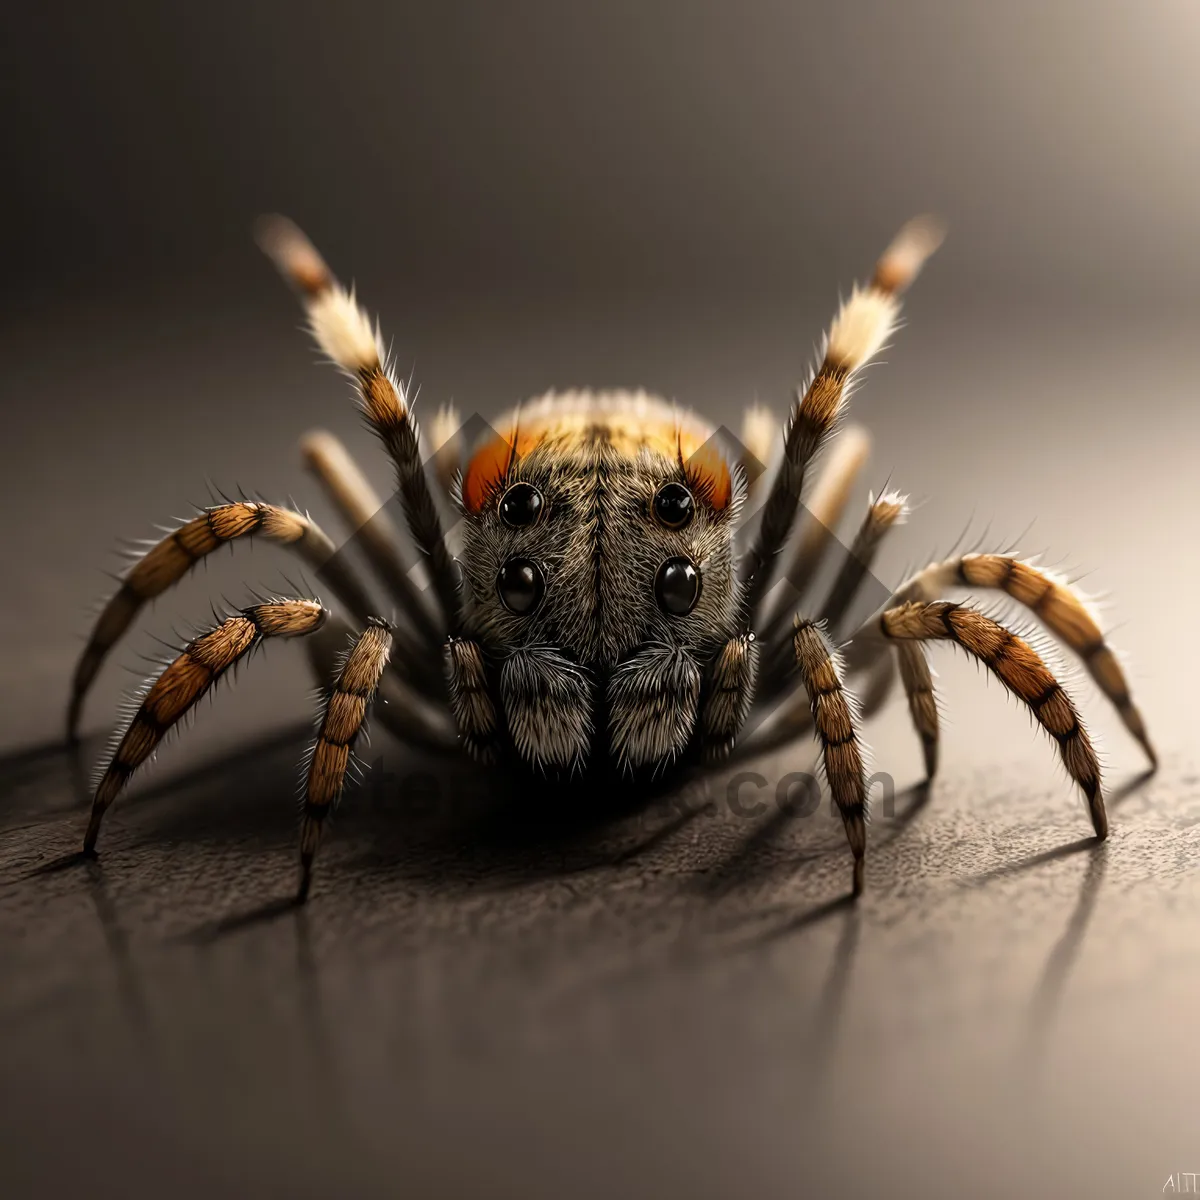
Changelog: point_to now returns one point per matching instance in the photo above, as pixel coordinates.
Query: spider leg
(792, 719)
(857, 334)
(344, 332)
(834, 715)
(917, 678)
(184, 681)
(471, 700)
(447, 441)
(398, 708)
(166, 562)
(888, 510)
(1058, 605)
(342, 719)
(760, 442)
(1017, 665)
(728, 696)
(364, 512)
(821, 515)
(883, 513)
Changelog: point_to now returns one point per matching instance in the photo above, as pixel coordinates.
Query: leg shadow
(1047, 998)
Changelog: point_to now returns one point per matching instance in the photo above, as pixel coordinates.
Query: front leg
(470, 700)
(728, 697)
(834, 715)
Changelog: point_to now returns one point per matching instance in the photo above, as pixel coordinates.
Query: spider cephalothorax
(598, 558)
(598, 611)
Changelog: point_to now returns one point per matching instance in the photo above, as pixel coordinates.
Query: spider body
(592, 607)
(600, 575)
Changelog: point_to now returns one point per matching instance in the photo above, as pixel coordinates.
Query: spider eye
(521, 504)
(520, 585)
(677, 587)
(673, 505)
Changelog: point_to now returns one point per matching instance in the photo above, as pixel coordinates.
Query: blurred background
(535, 195)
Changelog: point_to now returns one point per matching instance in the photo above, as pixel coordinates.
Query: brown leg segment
(922, 701)
(1017, 665)
(1056, 604)
(856, 335)
(342, 721)
(166, 562)
(833, 717)
(344, 332)
(186, 680)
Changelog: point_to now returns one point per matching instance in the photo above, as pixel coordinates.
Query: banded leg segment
(344, 332)
(823, 511)
(884, 513)
(176, 691)
(167, 561)
(400, 709)
(363, 510)
(857, 334)
(922, 701)
(729, 695)
(760, 436)
(471, 700)
(343, 718)
(834, 717)
(1018, 666)
(448, 448)
(1053, 601)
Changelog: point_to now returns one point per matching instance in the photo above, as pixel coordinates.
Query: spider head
(599, 568)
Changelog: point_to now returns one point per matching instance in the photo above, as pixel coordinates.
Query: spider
(598, 609)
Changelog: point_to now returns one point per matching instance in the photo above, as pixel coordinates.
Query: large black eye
(677, 587)
(520, 585)
(521, 504)
(673, 505)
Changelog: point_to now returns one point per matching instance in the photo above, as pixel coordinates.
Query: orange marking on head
(707, 470)
(491, 463)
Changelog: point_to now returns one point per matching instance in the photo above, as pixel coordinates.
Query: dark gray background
(548, 195)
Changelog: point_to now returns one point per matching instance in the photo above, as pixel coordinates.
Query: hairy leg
(857, 334)
(922, 701)
(471, 699)
(344, 332)
(169, 559)
(834, 717)
(447, 446)
(401, 710)
(760, 442)
(1053, 601)
(883, 514)
(728, 696)
(823, 510)
(176, 691)
(364, 512)
(1018, 666)
(342, 719)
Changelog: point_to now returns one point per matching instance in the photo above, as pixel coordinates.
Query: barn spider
(598, 609)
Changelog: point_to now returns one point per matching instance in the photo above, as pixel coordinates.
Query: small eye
(520, 585)
(677, 587)
(521, 504)
(673, 505)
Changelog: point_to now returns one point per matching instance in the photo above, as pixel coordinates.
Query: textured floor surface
(482, 999)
